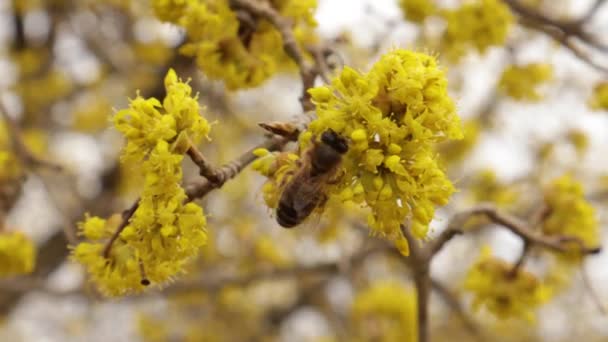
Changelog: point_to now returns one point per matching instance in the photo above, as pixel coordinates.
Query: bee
(304, 190)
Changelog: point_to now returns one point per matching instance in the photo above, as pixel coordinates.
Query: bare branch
(563, 32)
(451, 299)
(555, 243)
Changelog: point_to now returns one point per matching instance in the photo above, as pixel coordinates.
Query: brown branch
(233, 168)
(420, 264)
(126, 217)
(451, 300)
(557, 243)
(591, 291)
(205, 168)
(308, 72)
(562, 31)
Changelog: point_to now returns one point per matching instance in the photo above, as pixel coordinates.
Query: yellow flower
(504, 293)
(479, 24)
(386, 311)
(241, 53)
(164, 233)
(147, 121)
(599, 99)
(521, 82)
(570, 215)
(17, 254)
(394, 116)
(417, 10)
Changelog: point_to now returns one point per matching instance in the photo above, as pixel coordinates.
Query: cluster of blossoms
(599, 100)
(386, 311)
(17, 254)
(417, 10)
(229, 45)
(164, 232)
(570, 214)
(502, 291)
(480, 24)
(521, 82)
(393, 116)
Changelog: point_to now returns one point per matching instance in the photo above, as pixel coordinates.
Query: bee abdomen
(287, 216)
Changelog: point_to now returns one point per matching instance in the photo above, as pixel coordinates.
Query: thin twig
(556, 243)
(205, 168)
(591, 291)
(562, 31)
(451, 299)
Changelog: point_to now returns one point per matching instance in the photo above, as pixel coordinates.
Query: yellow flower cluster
(393, 115)
(17, 254)
(241, 52)
(144, 124)
(386, 311)
(570, 215)
(479, 24)
(599, 100)
(504, 293)
(521, 82)
(417, 10)
(164, 233)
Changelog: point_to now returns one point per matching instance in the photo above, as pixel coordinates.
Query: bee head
(335, 141)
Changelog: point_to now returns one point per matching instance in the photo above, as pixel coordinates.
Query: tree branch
(557, 243)
(308, 72)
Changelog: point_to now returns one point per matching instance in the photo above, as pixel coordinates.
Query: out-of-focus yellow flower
(93, 115)
(570, 214)
(504, 293)
(599, 99)
(386, 311)
(485, 187)
(393, 115)
(521, 82)
(267, 250)
(417, 10)
(164, 233)
(478, 24)
(242, 53)
(155, 53)
(455, 151)
(38, 93)
(579, 140)
(17, 254)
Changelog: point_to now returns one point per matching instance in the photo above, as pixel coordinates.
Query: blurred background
(66, 66)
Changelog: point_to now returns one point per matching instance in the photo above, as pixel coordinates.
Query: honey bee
(304, 191)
